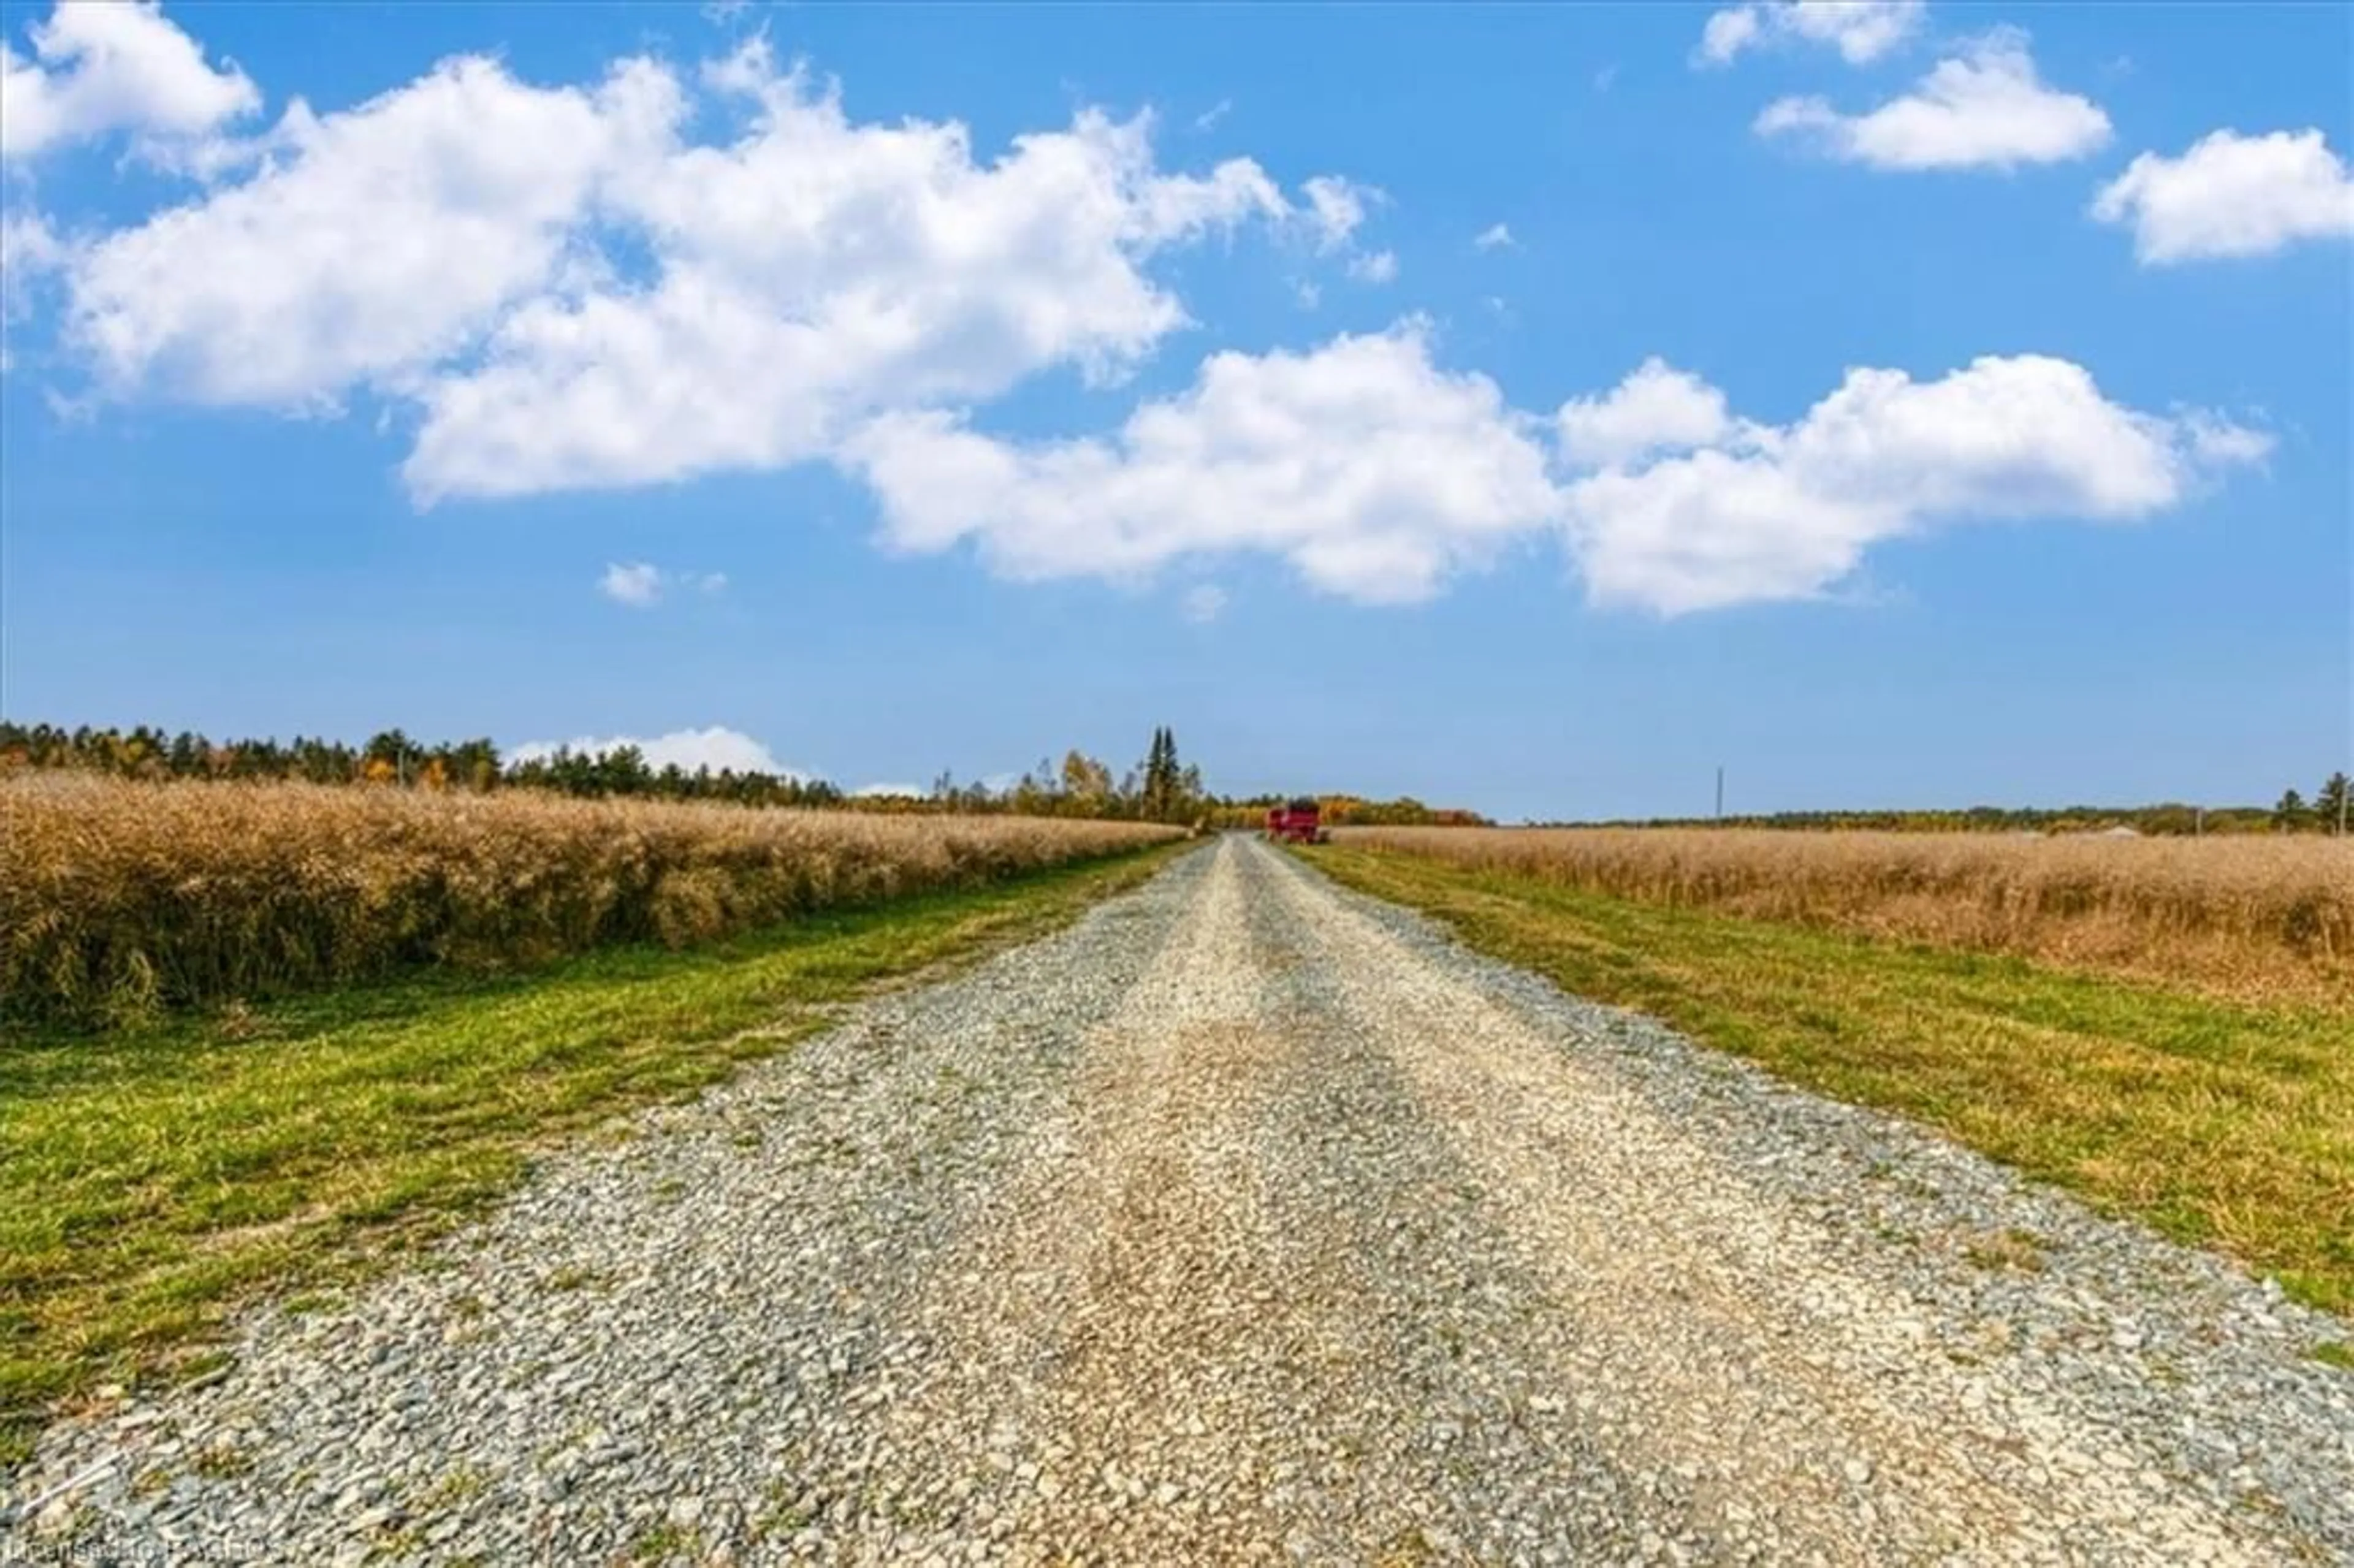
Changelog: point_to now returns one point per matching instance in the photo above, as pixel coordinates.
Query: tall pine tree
(2332, 805)
(1160, 791)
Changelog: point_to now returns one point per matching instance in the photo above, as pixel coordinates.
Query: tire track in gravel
(1249, 1221)
(1203, 1329)
(1721, 1333)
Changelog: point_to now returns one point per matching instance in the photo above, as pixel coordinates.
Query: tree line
(1161, 788)
(1158, 788)
(2293, 814)
(2331, 810)
(1352, 810)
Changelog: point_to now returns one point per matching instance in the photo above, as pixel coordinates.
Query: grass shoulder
(152, 1181)
(2223, 1124)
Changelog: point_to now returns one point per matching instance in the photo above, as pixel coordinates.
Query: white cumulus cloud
(1336, 208)
(104, 66)
(371, 245)
(572, 290)
(1862, 30)
(632, 585)
(716, 748)
(1726, 34)
(1655, 409)
(1374, 472)
(1495, 236)
(663, 274)
(2231, 195)
(1758, 512)
(814, 273)
(635, 583)
(29, 253)
(1986, 107)
(1378, 476)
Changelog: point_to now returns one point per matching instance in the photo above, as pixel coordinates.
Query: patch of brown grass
(121, 897)
(2251, 918)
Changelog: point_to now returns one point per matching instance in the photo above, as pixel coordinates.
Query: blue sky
(1522, 407)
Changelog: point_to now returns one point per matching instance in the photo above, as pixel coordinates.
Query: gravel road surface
(1249, 1221)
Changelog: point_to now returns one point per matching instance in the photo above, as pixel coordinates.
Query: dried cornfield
(2256, 917)
(117, 899)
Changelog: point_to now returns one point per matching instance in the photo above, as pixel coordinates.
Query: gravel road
(1247, 1220)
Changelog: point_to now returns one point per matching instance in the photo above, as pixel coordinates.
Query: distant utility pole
(1720, 791)
(2198, 822)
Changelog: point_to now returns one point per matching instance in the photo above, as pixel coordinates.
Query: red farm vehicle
(1298, 822)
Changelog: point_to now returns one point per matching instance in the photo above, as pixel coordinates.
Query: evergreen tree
(2331, 804)
(1158, 800)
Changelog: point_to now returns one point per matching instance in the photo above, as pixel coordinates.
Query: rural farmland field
(1252, 1220)
(752, 761)
(122, 898)
(2257, 918)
